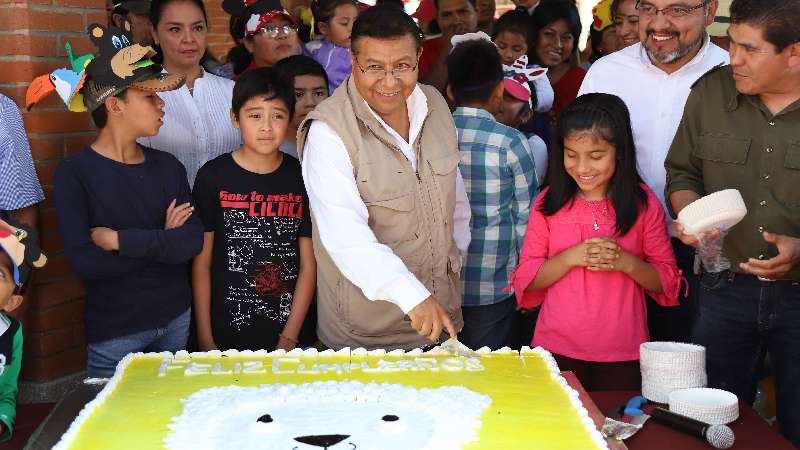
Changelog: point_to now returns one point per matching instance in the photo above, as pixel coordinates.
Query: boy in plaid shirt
(498, 170)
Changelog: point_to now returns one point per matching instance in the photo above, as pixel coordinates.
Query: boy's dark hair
(474, 69)
(553, 11)
(606, 117)
(385, 21)
(779, 21)
(474, 4)
(395, 3)
(298, 65)
(100, 115)
(323, 10)
(518, 22)
(263, 82)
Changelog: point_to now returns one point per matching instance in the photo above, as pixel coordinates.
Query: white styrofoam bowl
(668, 366)
(713, 406)
(722, 209)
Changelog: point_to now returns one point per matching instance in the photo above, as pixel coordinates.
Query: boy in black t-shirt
(255, 277)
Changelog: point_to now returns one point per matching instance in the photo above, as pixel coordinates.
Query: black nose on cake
(322, 440)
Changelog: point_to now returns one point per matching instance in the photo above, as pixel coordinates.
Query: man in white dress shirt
(654, 78)
(391, 216)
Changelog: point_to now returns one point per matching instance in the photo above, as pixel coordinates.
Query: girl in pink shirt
(595, 242)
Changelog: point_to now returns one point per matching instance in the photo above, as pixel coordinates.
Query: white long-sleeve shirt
(654, 98)
(197, 127)
(341, 217)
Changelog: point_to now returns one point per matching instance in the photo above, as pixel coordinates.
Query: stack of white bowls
(669, 366)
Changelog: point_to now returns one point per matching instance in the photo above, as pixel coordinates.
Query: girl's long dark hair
(606, 117)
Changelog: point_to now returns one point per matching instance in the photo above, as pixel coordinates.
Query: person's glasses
(675, 12)
(380, 73)
(274, 32)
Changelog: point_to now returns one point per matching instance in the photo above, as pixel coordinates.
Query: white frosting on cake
(454, 411)
(346, 415)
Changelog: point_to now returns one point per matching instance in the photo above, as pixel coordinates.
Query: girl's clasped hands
(600, 254)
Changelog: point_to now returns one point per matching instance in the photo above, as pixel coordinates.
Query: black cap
(141, 7)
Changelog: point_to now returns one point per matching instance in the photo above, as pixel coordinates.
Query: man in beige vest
(391, 216)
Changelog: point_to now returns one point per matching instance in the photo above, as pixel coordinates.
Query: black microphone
(718, 436)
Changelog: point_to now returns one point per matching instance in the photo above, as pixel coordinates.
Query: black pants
(674, 323)
(488, 325)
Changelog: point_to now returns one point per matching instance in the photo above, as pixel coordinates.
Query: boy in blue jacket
(124, 210)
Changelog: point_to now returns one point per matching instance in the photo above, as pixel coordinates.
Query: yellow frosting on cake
(530, 408)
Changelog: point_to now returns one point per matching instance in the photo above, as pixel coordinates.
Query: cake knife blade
(455, 347)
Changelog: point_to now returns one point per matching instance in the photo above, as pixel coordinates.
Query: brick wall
(219, 39)
(32, 38)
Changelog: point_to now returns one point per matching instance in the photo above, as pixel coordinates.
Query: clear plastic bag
(710, 251)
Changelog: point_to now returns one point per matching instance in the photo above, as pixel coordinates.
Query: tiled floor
(28, 418)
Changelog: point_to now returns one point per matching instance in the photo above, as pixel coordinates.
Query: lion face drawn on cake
(328, 415)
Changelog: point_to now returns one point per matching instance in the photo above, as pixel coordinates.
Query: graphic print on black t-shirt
(261, 232)
(257, 220)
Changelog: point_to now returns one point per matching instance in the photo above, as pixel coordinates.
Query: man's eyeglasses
(380, 73)
(675, 12)
(274, 32)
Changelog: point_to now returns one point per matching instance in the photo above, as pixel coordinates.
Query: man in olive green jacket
(741, 130)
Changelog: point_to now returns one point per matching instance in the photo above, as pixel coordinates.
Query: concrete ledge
(48, 391)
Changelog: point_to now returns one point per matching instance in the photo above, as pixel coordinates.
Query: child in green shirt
(20, 252)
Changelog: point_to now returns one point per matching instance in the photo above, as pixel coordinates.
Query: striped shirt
(500, 179)
(197, 127)
(19, 185)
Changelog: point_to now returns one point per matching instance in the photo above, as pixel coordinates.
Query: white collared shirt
(341, 217)
(654, 98)
(197, 128)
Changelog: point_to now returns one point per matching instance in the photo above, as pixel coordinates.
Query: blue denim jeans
(740, 320)
(488, 325)
(104, 356)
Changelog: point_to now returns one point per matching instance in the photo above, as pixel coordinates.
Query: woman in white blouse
(197, 125)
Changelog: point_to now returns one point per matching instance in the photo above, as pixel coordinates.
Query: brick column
(219, 39)
(32, 38)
